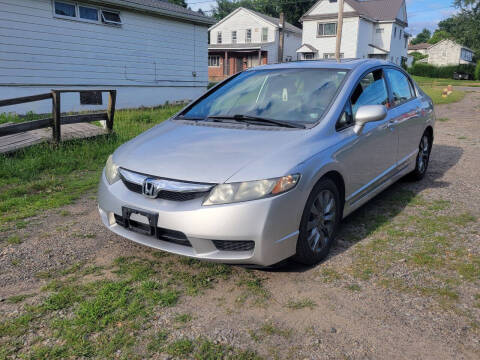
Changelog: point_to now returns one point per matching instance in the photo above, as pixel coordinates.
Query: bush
(477, 71)
(445, 72)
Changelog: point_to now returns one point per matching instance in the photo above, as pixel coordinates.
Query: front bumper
(271, 223)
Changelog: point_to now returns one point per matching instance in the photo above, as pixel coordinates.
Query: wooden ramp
(18, 141)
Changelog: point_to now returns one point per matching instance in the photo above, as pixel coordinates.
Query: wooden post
(225, 64)
(112, 99)
(281, 37)
(56, 116)
(339, 30)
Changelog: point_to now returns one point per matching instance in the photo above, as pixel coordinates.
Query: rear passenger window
(371, 90)
(400, 85)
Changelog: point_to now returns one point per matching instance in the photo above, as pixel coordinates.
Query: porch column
(260, 57)
(225, 64)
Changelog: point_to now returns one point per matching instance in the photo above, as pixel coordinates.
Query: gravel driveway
(345, 307)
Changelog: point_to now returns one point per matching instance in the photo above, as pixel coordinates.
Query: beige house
(448, 52)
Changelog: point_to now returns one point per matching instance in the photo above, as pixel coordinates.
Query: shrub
(477, 71)
(445, 72)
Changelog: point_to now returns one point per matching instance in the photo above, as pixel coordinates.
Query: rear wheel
(320, 222)
(423, 158)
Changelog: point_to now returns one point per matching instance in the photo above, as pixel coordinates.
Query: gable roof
(270, 19)
(421, 46)
(453, 42)
(161, 7)
(378, 10)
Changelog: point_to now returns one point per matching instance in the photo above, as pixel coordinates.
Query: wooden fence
(57, 119)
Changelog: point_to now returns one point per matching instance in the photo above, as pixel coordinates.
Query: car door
(368, 157)
(405, 112)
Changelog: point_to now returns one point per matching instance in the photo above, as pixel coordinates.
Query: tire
(319, 224)
(423, 158)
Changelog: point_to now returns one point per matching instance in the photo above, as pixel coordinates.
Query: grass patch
(300, 304)
(443, 119)
(183, 318)
(14, 240)
(436, 94)
(44, 176)
(420, 238)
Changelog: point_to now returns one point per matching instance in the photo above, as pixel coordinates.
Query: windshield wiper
(248, 118)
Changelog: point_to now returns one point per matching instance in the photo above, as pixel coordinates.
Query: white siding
(327, 44)
(37, 49)
(292, 42)
(326, 7)
(240, 22)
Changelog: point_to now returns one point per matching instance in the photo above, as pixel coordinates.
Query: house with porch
(246, 38)
(371, 29)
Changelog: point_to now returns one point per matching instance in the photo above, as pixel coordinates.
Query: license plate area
(140, 221)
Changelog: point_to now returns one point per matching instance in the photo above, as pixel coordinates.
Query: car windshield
(298, 96)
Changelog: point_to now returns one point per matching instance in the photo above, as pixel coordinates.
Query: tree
(422, 37)
(439, 35)
(179, 2)
(464, 28)
(200, 11)
(467, 3)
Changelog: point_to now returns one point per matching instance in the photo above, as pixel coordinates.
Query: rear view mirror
(368, 113)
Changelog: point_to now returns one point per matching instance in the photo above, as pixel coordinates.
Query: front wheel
(320, 222)
(423, 158)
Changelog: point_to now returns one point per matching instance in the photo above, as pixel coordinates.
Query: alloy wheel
(423, 154)
(321, 221)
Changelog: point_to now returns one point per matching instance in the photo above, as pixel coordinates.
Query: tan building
(448, 52)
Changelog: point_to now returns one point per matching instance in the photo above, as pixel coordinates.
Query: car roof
(348, 64)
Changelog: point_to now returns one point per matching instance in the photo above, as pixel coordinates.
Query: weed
(183, 318)
(300, 304)
(180, 348)
(14, 240)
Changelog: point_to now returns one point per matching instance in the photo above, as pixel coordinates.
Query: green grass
(413, 235)
(300, 304)
(436, 94)
(45, 176)
(102, 318)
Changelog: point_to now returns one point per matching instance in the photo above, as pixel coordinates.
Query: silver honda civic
(264, 166)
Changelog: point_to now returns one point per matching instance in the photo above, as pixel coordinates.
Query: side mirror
(368, 113)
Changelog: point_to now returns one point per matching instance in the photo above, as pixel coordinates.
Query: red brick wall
(216, 73)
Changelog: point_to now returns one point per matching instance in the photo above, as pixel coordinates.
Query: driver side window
(371, 90)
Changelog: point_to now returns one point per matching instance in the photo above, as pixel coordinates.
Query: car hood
(203, 153)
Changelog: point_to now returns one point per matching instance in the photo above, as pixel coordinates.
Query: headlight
(251, 190)
(111, 171)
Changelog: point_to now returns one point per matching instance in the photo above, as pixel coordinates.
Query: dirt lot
(403, 281)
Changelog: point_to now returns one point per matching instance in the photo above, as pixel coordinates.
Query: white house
(151, 51)
(246, 38)
(371, 29)
(448, 52)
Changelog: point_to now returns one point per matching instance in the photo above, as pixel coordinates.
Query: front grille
(165, 195)
(224, 245)
(171, 236)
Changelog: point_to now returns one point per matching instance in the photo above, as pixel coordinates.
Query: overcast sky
(421, 13)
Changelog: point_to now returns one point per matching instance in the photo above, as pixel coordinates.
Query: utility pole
(281, 34)
(339, 30)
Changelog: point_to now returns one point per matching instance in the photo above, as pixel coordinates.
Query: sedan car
(265, 165)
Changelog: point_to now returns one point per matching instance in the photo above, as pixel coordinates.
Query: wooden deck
(15, 142)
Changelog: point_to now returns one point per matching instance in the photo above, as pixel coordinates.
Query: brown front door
(239, 61)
